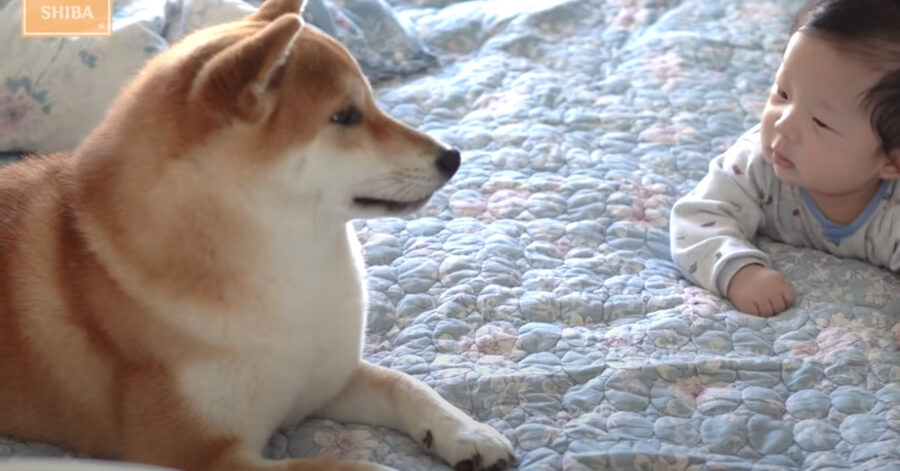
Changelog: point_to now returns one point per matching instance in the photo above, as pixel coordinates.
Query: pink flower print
(469, 203)
(15, 109)
(570, 463)
(633, 13)
(342, 21)
(660, 134)
(665, 69)
(502, 102)
(758, 12)
(803, 349)
(825, 386)
(705, 395)
(722, 145)
(838, 334)
(699, 301)
(687, 390)
(753, 103)
(346, 444)
(493, 342)
(649, 204)
(507, 203)
(626, 18)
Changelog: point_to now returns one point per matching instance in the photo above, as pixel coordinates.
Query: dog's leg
(156, 429)
(379, 396)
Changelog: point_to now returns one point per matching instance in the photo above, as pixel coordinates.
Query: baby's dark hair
(869, 29)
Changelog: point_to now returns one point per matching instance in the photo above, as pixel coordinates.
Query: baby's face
(815, 130)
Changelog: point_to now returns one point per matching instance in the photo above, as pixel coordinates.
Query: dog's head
(310, 111)
(277, 108)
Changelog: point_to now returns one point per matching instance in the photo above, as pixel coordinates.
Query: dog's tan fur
(184, 283)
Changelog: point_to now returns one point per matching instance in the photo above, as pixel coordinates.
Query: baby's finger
(745, 306)
(788, 299)
(778, 303)
(788, 295)
(765, 308)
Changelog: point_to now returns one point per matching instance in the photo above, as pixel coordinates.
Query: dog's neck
(198, 238)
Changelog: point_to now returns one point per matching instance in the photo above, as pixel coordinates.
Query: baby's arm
(711, 229)
(892, 226)
(882, 234)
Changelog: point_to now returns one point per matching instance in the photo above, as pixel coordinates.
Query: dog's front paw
(470, 446)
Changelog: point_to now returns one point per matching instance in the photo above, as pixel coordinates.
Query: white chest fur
(291, 348)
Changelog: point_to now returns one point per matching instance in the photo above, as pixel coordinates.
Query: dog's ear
(236, 83)
(272, 9)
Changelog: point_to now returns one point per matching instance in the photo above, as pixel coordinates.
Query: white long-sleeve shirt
(712, 228)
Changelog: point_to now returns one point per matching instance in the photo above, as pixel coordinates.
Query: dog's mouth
(392, 206)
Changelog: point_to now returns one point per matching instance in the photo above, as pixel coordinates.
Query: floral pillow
(53, 91)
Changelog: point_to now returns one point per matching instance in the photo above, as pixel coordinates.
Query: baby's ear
(891, 170)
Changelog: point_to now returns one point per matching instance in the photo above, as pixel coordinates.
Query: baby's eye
(820, 124)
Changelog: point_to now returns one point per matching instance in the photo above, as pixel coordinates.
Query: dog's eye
(347, 116)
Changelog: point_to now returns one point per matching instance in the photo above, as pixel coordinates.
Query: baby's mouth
(781, 161)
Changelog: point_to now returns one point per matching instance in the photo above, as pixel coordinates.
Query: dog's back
(83, 364)
(38, 307)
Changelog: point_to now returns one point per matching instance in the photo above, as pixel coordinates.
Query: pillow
(383, 44)
(53, 91)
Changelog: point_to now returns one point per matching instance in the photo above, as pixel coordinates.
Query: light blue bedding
(536, 290)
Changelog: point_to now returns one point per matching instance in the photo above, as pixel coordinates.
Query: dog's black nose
(448, 162)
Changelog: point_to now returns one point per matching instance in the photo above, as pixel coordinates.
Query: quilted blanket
(536, 291)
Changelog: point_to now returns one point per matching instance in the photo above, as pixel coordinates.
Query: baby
(821, 168)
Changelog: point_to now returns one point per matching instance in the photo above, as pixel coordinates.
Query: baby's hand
(760, 290)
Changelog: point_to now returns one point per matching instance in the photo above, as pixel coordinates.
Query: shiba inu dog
(185, 282)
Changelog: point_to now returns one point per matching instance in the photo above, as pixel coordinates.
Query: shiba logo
(43, 18)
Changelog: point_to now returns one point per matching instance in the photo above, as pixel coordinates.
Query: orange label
(42, 18)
